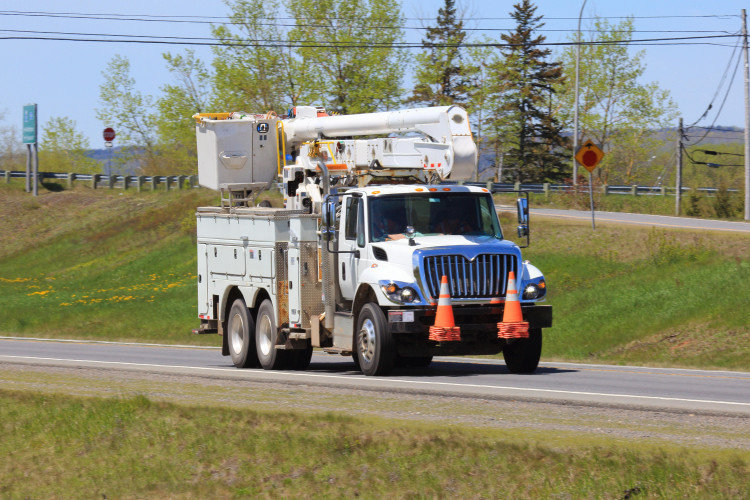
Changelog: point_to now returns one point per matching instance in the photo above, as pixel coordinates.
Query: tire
(240, 336)
(522, 355)
(300, 358)
(266, 335)
(376, 350)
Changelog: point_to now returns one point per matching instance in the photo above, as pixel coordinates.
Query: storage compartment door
(202, 279)
(294, 288)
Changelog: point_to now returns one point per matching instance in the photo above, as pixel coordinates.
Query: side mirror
(328, 215)
(522, 206)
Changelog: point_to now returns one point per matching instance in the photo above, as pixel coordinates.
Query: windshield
(432, 214)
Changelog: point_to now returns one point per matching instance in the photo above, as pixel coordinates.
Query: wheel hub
(237, 333)
(367, 343)
(266, 336)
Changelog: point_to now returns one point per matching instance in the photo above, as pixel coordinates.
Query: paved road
(640, 219)
(674, 389)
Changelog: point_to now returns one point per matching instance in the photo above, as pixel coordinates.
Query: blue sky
(63, 77)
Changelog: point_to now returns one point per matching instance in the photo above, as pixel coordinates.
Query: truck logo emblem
(262, 128)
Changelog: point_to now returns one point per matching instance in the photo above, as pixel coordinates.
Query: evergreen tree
(523, 121)
(442, 75)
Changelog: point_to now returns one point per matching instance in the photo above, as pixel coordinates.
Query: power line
(721, 83)
(198, 41)
(275, 21)
(210, 19)
(724, 101)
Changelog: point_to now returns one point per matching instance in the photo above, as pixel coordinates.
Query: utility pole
(575, 107)
(678, 181)
(747, 117)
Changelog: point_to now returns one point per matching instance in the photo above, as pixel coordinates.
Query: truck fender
(364, 295)
(248, 294)
(530, 271)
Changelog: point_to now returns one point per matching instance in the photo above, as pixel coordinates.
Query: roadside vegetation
(110, 265)
(136, 447)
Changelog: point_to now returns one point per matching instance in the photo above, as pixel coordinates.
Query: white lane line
(308, 375)
(109, 342)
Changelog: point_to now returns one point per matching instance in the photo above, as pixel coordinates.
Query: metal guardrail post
(125, 182)
(193, 180)
(517, 186)
(139, 182)
(181, 181)
(95, 180)
(111, 181)
(7, 176)
(154, 182)
(71, 178)
(634, 190)
(545, 187)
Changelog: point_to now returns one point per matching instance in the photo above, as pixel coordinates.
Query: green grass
(121, 266)
(62, 446)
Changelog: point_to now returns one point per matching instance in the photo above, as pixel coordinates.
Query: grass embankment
(134, 447)
(121, 266)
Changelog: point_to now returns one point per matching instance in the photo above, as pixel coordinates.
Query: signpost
(30, 139)
(589, 155)
(109, 136)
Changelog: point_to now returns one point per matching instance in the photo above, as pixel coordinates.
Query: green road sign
(29, 124)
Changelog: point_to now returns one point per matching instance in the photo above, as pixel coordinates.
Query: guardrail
(605, 189)
(113, 181)
(191, 181)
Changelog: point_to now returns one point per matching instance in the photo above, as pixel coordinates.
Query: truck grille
(484, 276)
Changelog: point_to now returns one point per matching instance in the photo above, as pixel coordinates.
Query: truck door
(353, 239)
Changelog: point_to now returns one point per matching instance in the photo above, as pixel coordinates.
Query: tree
(64, 149)
(128, 111)
(255, 69)
(12, 150)
(443, 76)
(523, 122)
(483, 99)
(349, 46)
(615, 109)
(175, 126)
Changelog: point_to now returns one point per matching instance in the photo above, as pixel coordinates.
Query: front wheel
(522, 355)
(376, 350)
(266, 335)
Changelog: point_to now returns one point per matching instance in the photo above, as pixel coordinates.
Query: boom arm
(445, 146)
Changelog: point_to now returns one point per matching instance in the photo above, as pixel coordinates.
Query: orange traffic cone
(445, 328)
(513, 326)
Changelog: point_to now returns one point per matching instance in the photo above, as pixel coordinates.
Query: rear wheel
(522, 355)
(240, 330)
(266, 336)
(376, 350)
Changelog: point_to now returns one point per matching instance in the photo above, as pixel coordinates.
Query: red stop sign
(590, 159)
(109, 134)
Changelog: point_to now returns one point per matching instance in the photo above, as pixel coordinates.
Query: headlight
(535, 290)
(398, 294)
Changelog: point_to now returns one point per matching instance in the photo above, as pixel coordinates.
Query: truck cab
(396, 242)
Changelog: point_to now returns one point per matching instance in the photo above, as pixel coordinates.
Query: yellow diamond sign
(589, 155)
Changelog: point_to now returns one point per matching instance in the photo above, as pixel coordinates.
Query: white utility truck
(353, 262)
